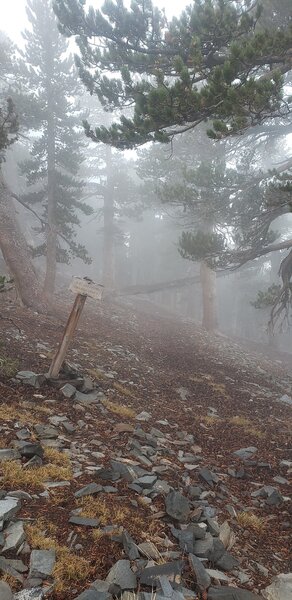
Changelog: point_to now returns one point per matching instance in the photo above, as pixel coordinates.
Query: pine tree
(211, 64)
(56, 152)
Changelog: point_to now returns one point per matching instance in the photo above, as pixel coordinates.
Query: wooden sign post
(83, 288)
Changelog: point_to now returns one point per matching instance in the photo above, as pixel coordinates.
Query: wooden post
(67, 335)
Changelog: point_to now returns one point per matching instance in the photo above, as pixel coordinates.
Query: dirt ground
(204, 385)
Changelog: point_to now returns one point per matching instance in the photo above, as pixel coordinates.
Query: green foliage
(213, 63)
(57, 148)
(267, 298)
(198, 246)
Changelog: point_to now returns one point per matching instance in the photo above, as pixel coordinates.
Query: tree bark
(108, 267)
(51, 256)
(208, 282)
(16, 253)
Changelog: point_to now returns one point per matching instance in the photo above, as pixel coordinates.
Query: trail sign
(83, 288)
(86, 287)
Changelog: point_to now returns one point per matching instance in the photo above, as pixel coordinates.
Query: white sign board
(86, 287)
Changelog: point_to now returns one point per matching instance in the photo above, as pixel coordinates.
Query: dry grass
(248, 520)
(247, 425)
(209, 420)
(14, 475)
(240, 421)
(9, 412)
(56, 457)
(69, 567)
(97, 507)
(8, 366)
(119, 409)
(123, 390)
(14, 584)
(96, 374)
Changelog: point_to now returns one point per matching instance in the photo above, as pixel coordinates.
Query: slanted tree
(13, 244)
(52, 172)
(211, 63)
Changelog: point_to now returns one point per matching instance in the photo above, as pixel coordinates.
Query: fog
(125, 217)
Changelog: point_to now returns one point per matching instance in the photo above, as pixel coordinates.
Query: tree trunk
(208, 282)
(16, 253)
(108, 267)
(51, 256)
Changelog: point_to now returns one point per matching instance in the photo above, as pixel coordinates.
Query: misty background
(130, 209)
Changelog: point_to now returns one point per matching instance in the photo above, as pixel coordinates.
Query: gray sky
(13, 16)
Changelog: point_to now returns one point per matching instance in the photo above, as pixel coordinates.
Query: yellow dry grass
(97, 507)
(123, 390)
(12, 413)
(96, 373)
(209, 420)
(8, 366)
(13, 475)
(69, 567)
(119, 409)
(56, 457)
(249, 520)
(247, 425)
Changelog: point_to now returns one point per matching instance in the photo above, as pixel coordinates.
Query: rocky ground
(160, 464)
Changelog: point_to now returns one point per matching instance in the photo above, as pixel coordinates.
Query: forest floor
(207, 397)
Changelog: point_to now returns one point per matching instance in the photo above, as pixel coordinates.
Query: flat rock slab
(92, 398)
(5, 591)
(122, 575)
(42, 563)
(280, 588)
(203, 578)
(87, 490)
(151, 575)
(8, 454)
(89, 594)
(14, 536)
(8, 508)
(177, 506)
(68, 390)
(225, 593)
(33, 594)
(246, 453)
(84, 521)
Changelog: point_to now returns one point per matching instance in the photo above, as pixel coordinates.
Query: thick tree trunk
(208, 282)
(16, 253)
(108, 267)
(51, 256)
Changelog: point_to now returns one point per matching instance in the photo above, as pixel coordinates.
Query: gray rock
(7, 568)
(130, 547)
(208, 476)
(42, 563)
(149, 550)
(31, 378)
(246, 453)
(203, 579)
(8, 508)
(214, 574)
(28, 449)
(89, 490)
(128, 472)
(150, 576)
(5, 591)
(89, 594)
(91, 398)
(143, 416)
(122, 575)
(19, 494)
(69, 427)
(177, 506)
(161, 487)
(286, 399)
(195, 492)
(18, 565)
(280, 588)
(225, 593)
(146, 481)
(227, 562)
(34, 461)
(8, 454)
(14, 536)
(202, 548)
(33, 594)
(84, 521)
(68, 390)
(46, 431)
